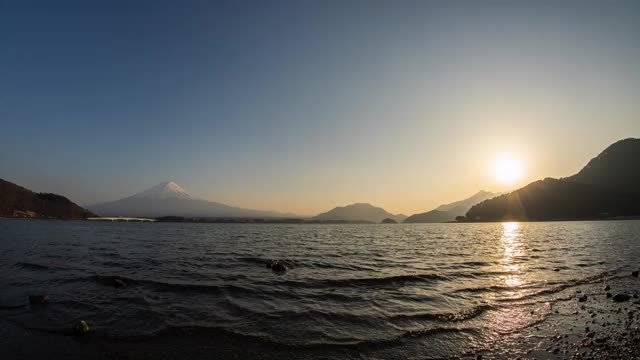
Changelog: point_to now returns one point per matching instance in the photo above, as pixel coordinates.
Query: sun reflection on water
(513, 285)
(511, 242)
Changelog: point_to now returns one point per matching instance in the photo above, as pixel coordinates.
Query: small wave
(172, 331)
(447, 317)
(533, 289)
(377, 318)
(479, 274)
(390, 341)
(415, 334)
(558, 288)
(494, 288)
(32, 266)
(170, 287)
(208, 331)
(476, 263)
(78, 305)
(331, 265)
(47, 330)
(292, 264)
(11, 307)
(369, 282)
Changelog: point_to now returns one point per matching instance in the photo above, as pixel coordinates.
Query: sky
(300, 106)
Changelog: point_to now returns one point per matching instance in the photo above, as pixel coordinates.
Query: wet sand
(595, 328)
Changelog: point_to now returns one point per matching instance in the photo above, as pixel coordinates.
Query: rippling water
(441, 287)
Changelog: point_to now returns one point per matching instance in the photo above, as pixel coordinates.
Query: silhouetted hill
(388, 221)
(433, 216)
(616, 168)
(16, 201)
(606, 187)
(357, 212)
(448, 212)
(553, 199)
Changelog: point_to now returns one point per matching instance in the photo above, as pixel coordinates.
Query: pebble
(81, 328)
(621, 297)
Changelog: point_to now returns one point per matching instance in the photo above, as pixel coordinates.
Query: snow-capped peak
(165, 190)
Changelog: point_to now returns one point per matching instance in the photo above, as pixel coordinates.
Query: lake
(406, 290)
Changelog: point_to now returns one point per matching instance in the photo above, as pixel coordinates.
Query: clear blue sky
(304, 105)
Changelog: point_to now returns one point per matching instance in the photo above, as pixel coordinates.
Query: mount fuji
(166, 190)
(169, 199)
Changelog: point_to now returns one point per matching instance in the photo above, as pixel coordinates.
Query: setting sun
(507, 169)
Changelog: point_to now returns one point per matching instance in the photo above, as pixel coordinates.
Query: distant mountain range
(358, 213)
(449, 212)
(607, 187)
(169, 199)
(16, 201)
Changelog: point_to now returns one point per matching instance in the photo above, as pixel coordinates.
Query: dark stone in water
(582, 298)
(114, 281)
(38, 299)
(277, 266)
(621, 297)
(609, 295)
(81, 328)
(606, 288)
(635, 273)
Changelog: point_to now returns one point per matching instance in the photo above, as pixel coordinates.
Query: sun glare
(507, 169)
